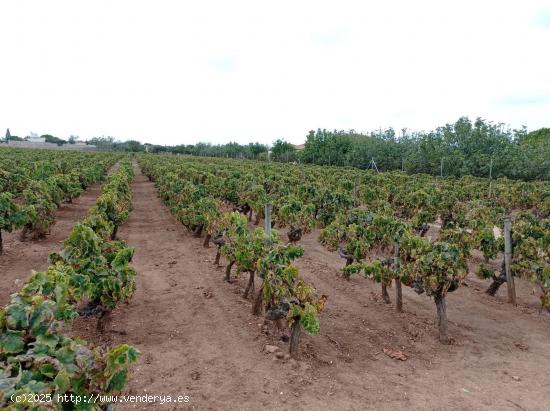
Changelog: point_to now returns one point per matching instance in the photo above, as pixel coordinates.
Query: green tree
(283, 151)
(54, 140)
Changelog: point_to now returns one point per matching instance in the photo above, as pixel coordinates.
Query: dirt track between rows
(199, 339)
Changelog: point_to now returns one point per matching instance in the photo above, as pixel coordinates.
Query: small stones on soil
(279, 354)
(270, 349)
(395, 354)
(521, 346)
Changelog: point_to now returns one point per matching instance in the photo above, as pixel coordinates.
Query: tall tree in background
(283, 151)
(54, 140)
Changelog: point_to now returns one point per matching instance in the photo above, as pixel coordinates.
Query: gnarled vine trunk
(206, 243)
(24, 231)
(250, 285)
(398, 296)
(113, 234)
(442, 323)
(497, 281)
(198, 231)
(103, 320)
(1, 244)
(385, 295)
(258, 301)
(295, 333)
(349, 260)
(294, 235)
(217, 260)
(228, 271)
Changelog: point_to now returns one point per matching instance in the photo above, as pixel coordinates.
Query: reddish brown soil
(198, 337)
(20, 257)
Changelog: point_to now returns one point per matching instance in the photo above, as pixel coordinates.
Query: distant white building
(35, 138)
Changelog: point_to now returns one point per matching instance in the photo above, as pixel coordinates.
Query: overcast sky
(172, 72)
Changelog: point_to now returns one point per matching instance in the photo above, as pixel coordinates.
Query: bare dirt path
(198, 338)
(20, 257)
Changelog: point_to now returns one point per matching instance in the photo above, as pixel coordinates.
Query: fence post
(491, 177)
(258, 304)
(398, 291)
(508, 260)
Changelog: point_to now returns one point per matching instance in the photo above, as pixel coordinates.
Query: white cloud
(173, 72)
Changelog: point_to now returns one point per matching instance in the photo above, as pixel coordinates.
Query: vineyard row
(91, 275)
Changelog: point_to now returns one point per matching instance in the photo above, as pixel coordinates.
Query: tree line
(480, 148)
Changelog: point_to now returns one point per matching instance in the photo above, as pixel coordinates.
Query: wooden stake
(491, 177)
(398, 290)
(267, 226)
(508, 260)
